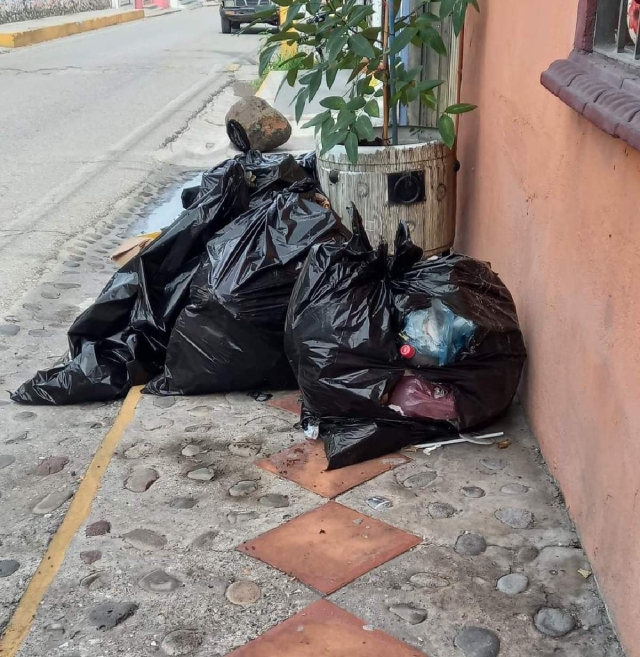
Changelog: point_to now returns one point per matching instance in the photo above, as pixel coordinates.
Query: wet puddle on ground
(165, 209)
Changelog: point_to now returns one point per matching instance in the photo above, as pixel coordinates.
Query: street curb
(38, 35)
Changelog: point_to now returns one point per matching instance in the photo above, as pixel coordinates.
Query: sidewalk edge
(38, 35)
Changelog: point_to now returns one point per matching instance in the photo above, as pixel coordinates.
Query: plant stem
(385, 64)
(459, 84)
(392, 74)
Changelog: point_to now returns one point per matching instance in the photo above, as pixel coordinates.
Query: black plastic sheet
(342, 341)
(121, 340)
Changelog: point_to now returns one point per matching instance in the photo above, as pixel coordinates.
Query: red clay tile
(330, 546)
(286, 401)
(306, 464)
(325, 629)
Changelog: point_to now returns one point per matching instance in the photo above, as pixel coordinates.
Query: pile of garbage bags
(259, 285)
(202, 308)
(352, 315)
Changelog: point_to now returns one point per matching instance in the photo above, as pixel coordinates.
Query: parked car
(234, 13)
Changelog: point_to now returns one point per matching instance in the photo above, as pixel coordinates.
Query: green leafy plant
(278, 63)
(331, 35)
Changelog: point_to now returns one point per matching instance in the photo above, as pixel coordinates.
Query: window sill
(604, 91)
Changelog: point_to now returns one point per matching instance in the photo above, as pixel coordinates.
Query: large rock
(264, 127)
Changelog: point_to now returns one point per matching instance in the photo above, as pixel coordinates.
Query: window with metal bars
(616, 29)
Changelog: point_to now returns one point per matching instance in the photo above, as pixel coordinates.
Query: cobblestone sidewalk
(217, 532)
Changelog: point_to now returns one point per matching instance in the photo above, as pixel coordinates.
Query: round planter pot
(412, 182)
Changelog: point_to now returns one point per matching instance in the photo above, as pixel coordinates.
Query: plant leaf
(265, 57)
(475, 4)
(429, 99)
(432, 38)
(318, 119)
(356, 103)
(459, 13)
(372, 108)
(413, 72)
(447, 130)
(364, 127)
(460, 108)
(446, 7)
(333, 102)
(326, 129)
(292, 76)
(401, 41)
(314, 83)
(427, 85)
(359, 15)
(332, 139)
(289, 35)
(331, 73)
(361, 46)
(427, 17)
(345, 119)
(351, 146)
(371, 33)
(411, 94)
(300, 103)
(336, 42)
(364, 86)
(292, 14)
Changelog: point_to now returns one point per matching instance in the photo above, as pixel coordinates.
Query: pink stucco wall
(554, 204)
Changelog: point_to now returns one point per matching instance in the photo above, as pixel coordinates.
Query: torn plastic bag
(342, 339)
(231, 335)
(121, 339)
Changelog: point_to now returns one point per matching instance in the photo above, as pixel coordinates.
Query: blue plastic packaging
(437, 332)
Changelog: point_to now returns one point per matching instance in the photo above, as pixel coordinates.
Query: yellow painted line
(286, 50)
(38, 35)
(20, 624)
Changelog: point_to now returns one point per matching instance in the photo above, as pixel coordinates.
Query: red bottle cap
(407, 351)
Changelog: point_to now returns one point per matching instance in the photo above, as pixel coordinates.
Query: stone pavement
(206, 539)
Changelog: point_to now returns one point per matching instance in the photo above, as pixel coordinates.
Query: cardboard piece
(131, 247)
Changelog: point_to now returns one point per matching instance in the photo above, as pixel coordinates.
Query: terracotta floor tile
(306, 464)
(286, 401)
(330, 546)
(325, 629)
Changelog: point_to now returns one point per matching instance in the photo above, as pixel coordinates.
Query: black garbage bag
(121, 339)
(342, 339)
(266, 173)
(231, 335)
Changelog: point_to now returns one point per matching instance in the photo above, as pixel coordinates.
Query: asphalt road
(81, 119)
